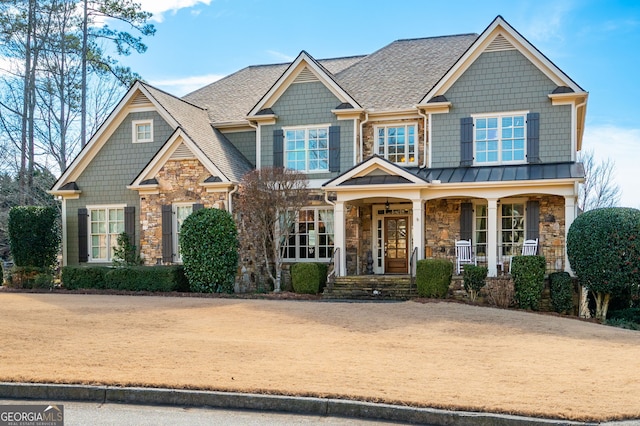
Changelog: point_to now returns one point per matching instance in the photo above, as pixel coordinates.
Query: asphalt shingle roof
(194, 121)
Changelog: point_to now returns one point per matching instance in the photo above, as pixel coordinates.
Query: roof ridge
(434, 37)
(173, 96)
(278, 64)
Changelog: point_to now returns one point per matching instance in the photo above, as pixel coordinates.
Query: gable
(374, 171)
(303, 70)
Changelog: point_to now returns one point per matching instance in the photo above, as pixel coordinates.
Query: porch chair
(464, 255)
(529, 248)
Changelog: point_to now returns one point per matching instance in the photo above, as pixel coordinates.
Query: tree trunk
(584, 303)
(83, 87)
(602, 305)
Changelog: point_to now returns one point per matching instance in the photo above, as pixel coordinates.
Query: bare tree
(599, 188)
(269, 203)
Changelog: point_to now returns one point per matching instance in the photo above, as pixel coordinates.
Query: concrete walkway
(272, 403)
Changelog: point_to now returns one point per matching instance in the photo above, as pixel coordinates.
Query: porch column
(418, 227)
(569, 217)
(492, 236)
(339, 237)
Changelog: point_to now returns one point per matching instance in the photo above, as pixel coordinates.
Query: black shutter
(83, 236)
(278, 148)
(334, 148)
(466, 221)
(196, 207)
(533, 137)
(130, 223)
(167, 233)
(533, 220)
(466, 141)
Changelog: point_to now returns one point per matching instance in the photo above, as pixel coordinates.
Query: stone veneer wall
(369, 138)
(442, 228)
(179, 182)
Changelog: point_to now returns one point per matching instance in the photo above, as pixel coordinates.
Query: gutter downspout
(427, 128)
(366, 119)
(575, 127)
(230, 195)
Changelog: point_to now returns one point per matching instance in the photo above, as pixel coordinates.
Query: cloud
(547, 24)
(182, 86)
(621, 145)
(281, 56)
(159, 7)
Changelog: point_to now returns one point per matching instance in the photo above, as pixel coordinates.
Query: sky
(596, 43)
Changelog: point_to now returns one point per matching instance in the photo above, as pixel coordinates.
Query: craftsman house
(407, 149)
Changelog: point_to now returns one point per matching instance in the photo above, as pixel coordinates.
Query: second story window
(500, 139)
(142, 131)
(307, 149)
(397, 143)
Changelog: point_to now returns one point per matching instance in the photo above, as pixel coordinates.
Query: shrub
(125, 253)
(305, 278)
(147, 278)
(76, 277)
(474, 279)
(323, 271)
(433, 277)
(603, 247)
(561, 290)
(34, 235)
(528, 280)
(209, 244)
(500, 292)
(29, 277)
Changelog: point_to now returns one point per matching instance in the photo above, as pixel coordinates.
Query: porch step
(371, 287)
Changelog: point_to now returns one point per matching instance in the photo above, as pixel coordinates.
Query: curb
(258, 402)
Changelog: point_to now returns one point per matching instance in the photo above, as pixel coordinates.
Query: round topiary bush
(209, 249)
(603, 247)
(305, 278)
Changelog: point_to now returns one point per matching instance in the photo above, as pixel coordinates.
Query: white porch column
(492, 236)
(339, 237)
(418, 227)
(569, 217)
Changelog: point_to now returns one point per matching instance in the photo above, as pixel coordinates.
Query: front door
(396, 245)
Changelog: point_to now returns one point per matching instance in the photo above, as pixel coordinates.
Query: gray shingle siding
(501, 82)
(246, 144)
(105, 179)
(308, 104)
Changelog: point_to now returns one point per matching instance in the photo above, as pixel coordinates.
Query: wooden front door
(396, 245)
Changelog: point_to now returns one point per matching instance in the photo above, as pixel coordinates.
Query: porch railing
(553, 253)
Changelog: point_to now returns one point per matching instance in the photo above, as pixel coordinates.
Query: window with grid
(142, 131)
(105, 226)
(481, 229)
(180, 213)
(397, 143)
(307, 149)
(312, 236)
(500, 139)
(512, 228)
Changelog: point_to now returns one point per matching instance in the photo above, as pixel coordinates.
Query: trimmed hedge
(305, 278)
(323, 270)
(34, 235)
(433, 277)
(528, 280)
(561, 290)
(474, 279)
(209, 244)
(131, 278)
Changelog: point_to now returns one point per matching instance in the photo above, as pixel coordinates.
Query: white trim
(397, 124)
(375, 216)
(374, 163)
(64, 231)
(134, 130)
(316, 220)
(306, 147)
(500, 27)
(106, 208)
(304, 60)
(177, 258)
(499, 116)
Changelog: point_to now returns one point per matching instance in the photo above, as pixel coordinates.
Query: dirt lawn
(445, 355)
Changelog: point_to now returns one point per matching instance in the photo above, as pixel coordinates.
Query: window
(142, 131)
(512, 228)
(481, 229)
(500, 138)
(312, 236)
(397, 143)
(105, 225)
(307, 149)
(180, 213)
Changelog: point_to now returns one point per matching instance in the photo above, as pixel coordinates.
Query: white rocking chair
(464, 255)
(529, 248)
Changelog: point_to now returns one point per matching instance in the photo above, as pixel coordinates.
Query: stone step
(371, 287)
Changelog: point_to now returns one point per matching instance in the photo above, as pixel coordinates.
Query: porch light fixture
(386, 206)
